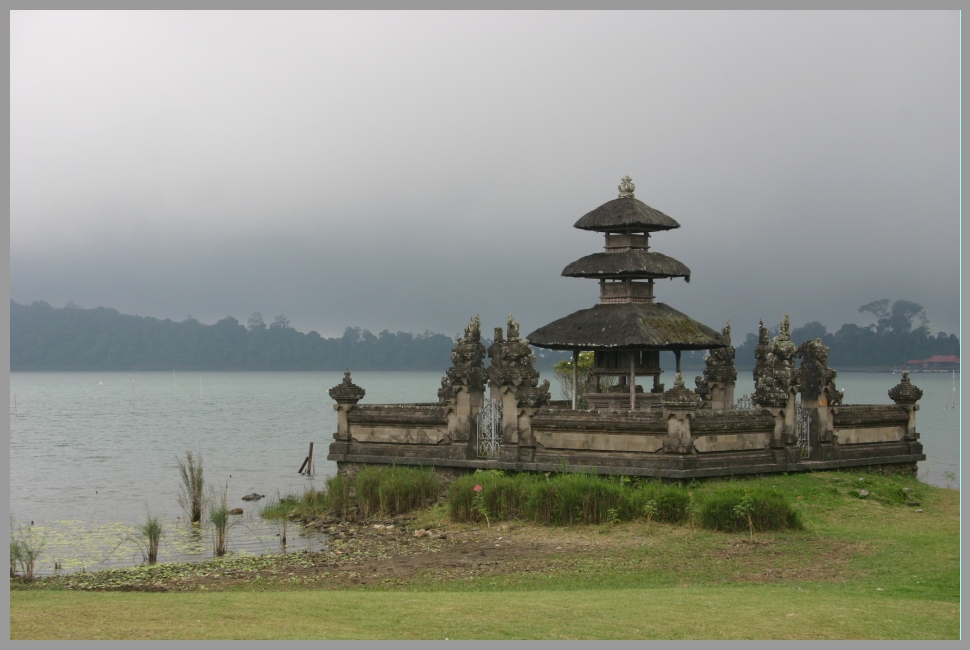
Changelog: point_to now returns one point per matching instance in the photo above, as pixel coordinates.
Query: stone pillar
(716, 385)
(906, 394)
(679, 405)
(463, 387)
(514, 381)
(346, 394)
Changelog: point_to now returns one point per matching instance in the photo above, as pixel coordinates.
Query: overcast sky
(405, 171)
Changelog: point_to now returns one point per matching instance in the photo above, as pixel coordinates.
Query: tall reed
(393, 490)
(219, 517)
(192, 491)
(339, 489)
(151, 534)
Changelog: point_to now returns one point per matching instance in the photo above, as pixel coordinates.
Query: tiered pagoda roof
(627, 317)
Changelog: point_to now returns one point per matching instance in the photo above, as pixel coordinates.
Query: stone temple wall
(685, 436)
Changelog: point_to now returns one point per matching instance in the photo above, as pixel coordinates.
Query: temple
(627, 329)
(625, 421)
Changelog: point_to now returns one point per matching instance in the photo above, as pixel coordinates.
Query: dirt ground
(398, 553)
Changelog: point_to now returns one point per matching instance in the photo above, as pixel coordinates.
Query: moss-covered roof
(627, 326)
(627, 264)
(625, 215)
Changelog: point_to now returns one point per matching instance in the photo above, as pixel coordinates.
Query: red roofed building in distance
(936, 362)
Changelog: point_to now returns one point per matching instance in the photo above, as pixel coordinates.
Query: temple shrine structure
(627, 329)
(500, 416)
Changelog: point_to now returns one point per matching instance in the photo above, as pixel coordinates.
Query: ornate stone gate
(803, 430)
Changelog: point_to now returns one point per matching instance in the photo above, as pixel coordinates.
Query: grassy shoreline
(868, 567)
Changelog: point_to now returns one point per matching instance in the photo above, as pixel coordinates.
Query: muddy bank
(405, 553)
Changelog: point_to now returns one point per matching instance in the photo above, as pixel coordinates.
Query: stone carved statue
(473, 331)
(513, 329)
(719, 367)
(816, 378)
(775, 375)
(626, 187)
(468, 368)
(762, 333)
(785, 327)
(513, 365)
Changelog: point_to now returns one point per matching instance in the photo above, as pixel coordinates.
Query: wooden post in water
(309, 463)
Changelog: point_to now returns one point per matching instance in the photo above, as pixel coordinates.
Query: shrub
(583, 499)
(501, 497)
(25, 547)
(658, 502)
(563, 499)
(737, 510)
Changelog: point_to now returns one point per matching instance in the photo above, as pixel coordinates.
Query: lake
(92, 453)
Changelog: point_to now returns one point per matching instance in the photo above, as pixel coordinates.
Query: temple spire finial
(626, 187)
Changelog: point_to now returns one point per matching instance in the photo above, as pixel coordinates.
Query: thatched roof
(627, 326)
(633, 263)
(626, 215)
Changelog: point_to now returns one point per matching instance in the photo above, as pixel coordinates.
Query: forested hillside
(898, 334)
(71, 338)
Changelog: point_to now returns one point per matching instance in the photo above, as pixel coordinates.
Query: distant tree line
(71, 338)
(899, 334)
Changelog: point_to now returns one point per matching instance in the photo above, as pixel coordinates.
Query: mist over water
(87, 462)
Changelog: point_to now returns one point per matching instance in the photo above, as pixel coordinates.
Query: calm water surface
(91, 454)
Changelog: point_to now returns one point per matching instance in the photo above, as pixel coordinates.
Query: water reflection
(75, 545)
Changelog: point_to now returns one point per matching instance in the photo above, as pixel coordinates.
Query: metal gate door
(803, 425)
(489, 429)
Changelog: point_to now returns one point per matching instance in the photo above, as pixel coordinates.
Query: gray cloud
(407, 170)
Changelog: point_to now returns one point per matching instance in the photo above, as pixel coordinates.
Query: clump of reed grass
(564, 499)
(191, 494)
(739, 509)
(394, 490)
(306, 506)
(26, 545)
(151, 536)
(219, 517)
(375, 491)
(339, 490)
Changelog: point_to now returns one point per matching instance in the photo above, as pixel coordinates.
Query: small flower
(799, 496)
(477, 488)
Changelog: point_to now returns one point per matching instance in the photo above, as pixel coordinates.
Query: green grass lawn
(712, 612)
(862, 568)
